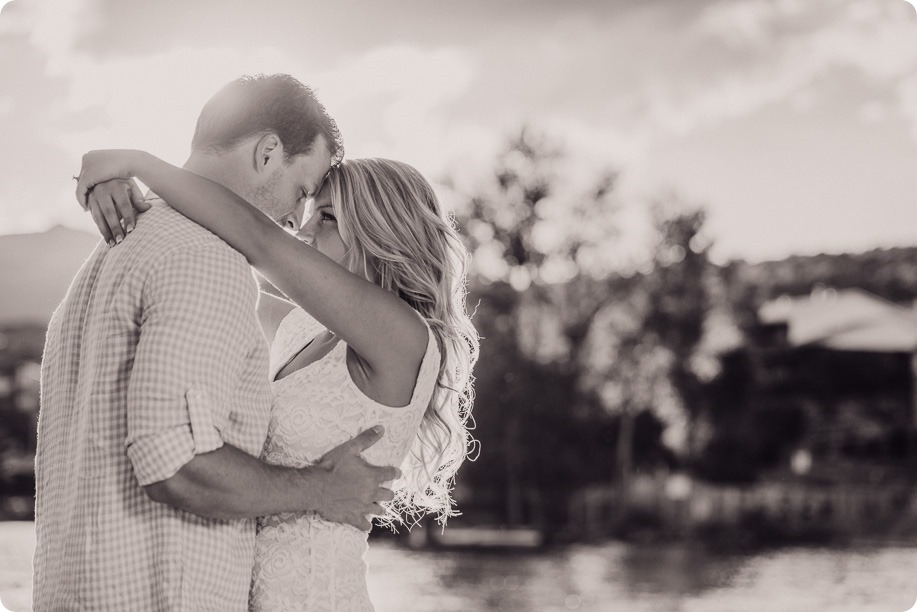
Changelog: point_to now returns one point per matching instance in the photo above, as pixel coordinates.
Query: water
(610, 577)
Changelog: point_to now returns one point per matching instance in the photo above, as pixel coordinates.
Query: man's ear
(269, 153)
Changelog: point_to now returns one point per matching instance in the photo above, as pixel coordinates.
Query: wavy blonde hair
(399, 237)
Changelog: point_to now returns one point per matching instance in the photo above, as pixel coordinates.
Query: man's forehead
(315, 184)
(315, 175)
(322, 198)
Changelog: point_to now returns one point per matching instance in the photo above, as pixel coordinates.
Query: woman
(375, 253)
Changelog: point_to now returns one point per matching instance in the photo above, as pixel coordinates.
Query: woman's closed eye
(326, 216)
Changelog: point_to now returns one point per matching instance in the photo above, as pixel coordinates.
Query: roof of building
(844, 319)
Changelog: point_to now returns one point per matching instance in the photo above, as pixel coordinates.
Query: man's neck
(214, 167)
(229, 170)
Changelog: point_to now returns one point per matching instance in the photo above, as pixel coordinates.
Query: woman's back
(303, 562)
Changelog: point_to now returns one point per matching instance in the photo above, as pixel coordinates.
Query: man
(155, 395)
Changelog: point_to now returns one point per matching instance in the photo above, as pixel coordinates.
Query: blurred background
(694, 268)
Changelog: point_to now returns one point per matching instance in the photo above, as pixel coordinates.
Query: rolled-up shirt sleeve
(197, 327)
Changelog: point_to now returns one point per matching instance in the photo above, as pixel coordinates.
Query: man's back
(154, 356)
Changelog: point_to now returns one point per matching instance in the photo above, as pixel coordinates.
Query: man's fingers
(376, 510)
(386, 473)
(367, 438)
(360, 522)
(384, 495)
(357, 444)
(99, 219)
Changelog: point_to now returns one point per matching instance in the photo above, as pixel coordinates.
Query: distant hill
(36, 270)
(890, 273)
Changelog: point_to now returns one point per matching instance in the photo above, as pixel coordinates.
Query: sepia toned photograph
(523, 305)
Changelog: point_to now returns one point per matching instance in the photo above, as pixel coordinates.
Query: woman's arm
(380, 327)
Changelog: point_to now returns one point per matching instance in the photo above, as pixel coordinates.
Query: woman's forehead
(322, 199)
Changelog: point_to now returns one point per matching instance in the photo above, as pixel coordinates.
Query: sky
(793, 122)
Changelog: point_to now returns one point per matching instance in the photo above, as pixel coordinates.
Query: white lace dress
(303, 562)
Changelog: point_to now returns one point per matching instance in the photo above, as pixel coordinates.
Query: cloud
(617, 85)
(390, 101)
(393, 101)
(52, 27)
(793, 44)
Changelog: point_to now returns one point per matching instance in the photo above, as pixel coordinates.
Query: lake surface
(606, 577)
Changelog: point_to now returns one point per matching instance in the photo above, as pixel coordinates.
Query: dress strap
(428, 374)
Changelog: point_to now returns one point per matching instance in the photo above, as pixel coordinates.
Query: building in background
(849, 359)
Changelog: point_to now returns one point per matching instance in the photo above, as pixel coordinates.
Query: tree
(530, 247)
(679, 296)
(619, 347)
(640, 347)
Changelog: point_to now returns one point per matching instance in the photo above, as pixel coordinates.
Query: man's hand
(352, 488)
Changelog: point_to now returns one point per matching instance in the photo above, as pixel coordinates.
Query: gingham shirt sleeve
(196, 330)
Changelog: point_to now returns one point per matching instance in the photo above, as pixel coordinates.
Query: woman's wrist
(138, 163)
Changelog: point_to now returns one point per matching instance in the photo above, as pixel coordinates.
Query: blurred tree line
(584, 371)
(593, 367)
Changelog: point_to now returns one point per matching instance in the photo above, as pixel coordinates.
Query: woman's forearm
(209, 204)
(368, 318)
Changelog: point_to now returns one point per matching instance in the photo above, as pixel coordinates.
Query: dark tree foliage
(543, 431)
(537, 444)
(679, 293)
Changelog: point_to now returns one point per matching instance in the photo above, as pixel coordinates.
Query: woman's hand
(101, 166)
(106, 189)
(114, 206)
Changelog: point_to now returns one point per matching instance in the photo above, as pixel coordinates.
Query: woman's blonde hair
(399, 237)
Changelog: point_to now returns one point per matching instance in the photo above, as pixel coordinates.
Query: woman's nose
(306, 234)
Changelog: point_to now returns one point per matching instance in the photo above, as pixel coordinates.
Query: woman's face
(320, 228)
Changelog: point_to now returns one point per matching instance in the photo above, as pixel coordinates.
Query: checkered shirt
(154, 356)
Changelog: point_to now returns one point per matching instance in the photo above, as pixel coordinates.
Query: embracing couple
(206, 447)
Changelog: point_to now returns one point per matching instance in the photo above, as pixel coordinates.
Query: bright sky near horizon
(793, 121)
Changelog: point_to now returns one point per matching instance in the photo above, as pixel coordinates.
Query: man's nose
(299, 212)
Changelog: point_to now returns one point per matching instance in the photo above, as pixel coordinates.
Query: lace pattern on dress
(303, 562)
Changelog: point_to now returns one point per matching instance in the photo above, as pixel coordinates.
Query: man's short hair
(262, 104)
